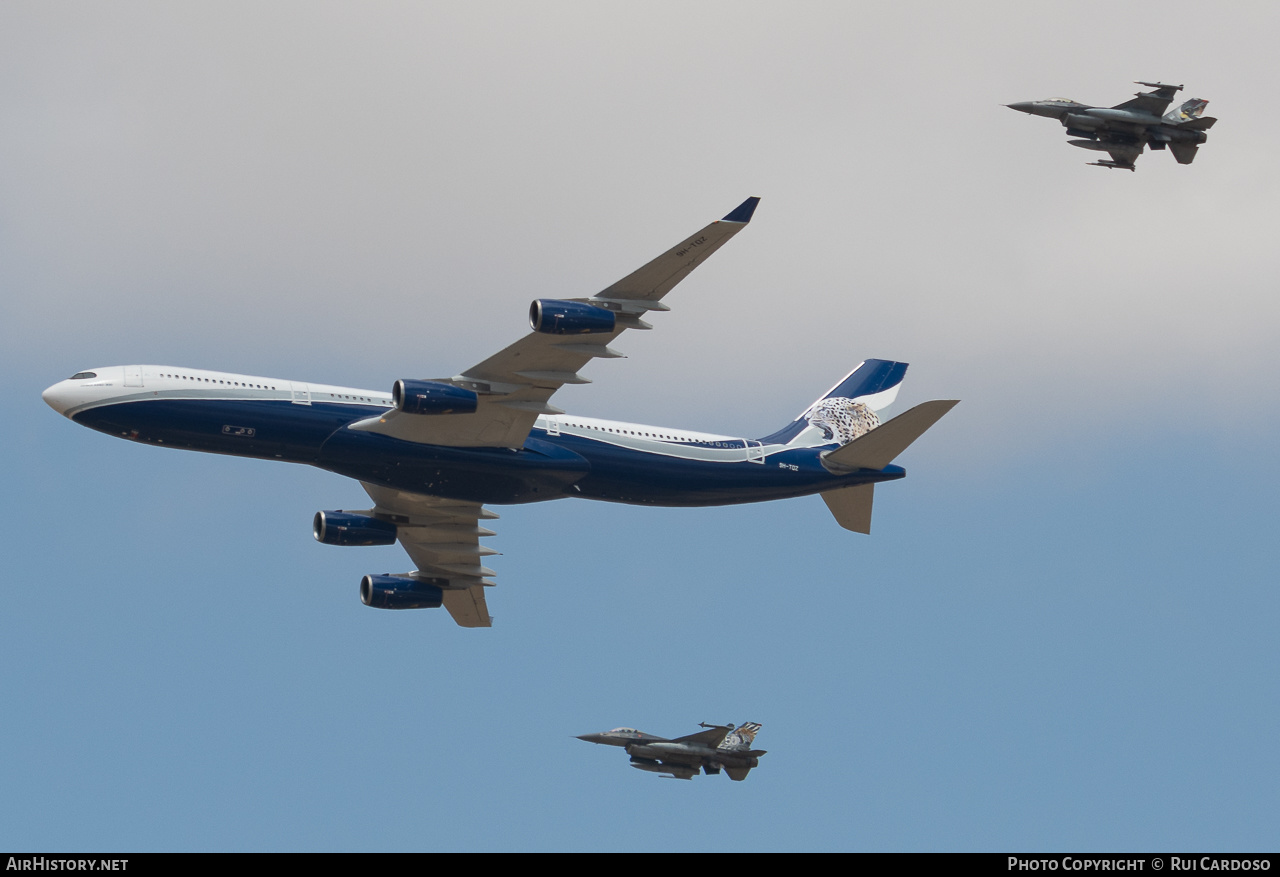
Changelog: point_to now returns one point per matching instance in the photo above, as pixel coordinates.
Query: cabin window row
(216, 381)
(670, 438)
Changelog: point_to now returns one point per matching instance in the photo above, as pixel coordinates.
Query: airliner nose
(57, 397)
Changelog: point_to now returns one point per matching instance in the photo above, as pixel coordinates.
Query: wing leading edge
(442, 537)
(516, 384)
(1154, 102)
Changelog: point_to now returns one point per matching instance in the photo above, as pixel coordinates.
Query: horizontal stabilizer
(876, 449)
(851, 506)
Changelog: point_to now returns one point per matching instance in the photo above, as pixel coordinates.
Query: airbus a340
(431, 453)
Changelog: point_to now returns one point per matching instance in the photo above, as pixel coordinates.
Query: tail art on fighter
(1124, 130)
(719, 747)
(432, 453)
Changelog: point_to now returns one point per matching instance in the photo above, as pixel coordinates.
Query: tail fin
(848, 409)
(1192, 109)
(740, 737)
(1184, 153)
(851, 506)
(877, 448)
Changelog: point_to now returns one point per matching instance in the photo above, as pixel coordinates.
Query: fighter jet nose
(1025, 106)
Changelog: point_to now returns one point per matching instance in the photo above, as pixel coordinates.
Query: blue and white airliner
(432, 453)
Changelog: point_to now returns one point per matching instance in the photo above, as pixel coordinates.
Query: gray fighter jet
(716, 748)
(1125, 129)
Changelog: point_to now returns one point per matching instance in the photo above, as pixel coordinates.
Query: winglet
(742, 213)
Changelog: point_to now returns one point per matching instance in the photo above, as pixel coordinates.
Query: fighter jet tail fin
(1192, 109)
(741, 737)
(737, 774)
(1185, 153)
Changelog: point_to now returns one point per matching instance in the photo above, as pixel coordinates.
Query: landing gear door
(300, 394)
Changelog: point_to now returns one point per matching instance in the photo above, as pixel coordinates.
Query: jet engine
(344, 528)
(432, 397)
(554, 317)
(399, 592)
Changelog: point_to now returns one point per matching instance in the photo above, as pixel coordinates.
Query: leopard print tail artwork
(842, 420)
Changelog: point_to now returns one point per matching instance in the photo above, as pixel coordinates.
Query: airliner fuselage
(432, 453)
(564, 455)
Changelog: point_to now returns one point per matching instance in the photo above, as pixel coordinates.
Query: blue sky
(1060, 634)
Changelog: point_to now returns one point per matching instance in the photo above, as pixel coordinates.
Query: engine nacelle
(432, 397)
(344, 528)
(399, 592)
(554, 317)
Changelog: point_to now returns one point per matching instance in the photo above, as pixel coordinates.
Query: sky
(1060, 634)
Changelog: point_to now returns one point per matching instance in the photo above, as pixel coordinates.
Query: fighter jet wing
(1123, 154)
(1154, 102)
(515, 384)
(712, 737)
(442, 538)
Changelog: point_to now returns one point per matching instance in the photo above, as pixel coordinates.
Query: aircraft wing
(1124, 154)
(442, 538)
(712, 737)
(1146, 103)
(1154, 102)
(515, 384)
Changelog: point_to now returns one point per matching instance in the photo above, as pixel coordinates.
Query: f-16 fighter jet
(716, 748)
(1125, 129)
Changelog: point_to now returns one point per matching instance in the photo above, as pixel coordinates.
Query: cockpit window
(80, 376)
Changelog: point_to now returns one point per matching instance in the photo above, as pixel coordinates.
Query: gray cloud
(362, 192)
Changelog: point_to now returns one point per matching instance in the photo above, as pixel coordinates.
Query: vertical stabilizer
(740, 737)
(1192, 109)
(847, 410)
